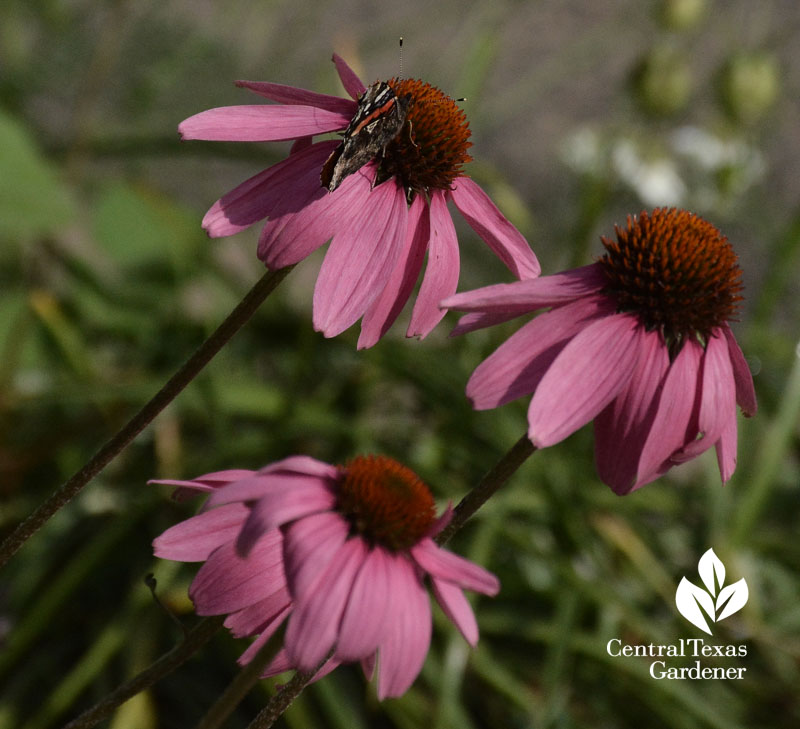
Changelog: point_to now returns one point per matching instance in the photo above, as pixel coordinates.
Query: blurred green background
(582, 112)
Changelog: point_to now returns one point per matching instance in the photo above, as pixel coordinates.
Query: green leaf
(137, 225)
(33, 200)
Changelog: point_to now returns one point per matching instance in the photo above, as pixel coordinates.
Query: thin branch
(142, 419)
(489, 484)
(196, 638)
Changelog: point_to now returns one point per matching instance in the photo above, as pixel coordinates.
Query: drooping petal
(194, 539)
(293, 95)
(517, 366)
(364, 619)
(457, 608)
(220, 478)
(718, 396)
(297, 498)
(441, 273)
(314, 625)
(442, 521)
(479, 320)
(717, 400)
(266, 634)
(383, 312)
(258, 616)
(745, 391)
(360, 258)
(296, 231)
(492, 226)
(621, 429)
(588, 373)
(204, 484)
(281, 663)
(280, 486)
(726, 449)
(368, 665)
(260, 123)
(351, 82)
(676, 404)
(403, 650)
(521, 297)
(287, 185)
(309, 545)
(303, 465)
(227, 582)
(451, 567)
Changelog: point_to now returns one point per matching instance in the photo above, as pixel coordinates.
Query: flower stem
(195, 639)
(281, 700)
(59, 498)
(489, 484)
(237, 689)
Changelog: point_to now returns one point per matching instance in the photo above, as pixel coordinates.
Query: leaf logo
(715, 602)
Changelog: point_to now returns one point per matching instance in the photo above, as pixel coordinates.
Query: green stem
(489, 484)
(237, 689)
(281, 700)
(142, 419)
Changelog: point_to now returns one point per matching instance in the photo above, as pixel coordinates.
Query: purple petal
(493, 227)
(286, 186)
(588, 373)
(360, 258)
(621, 429)
(745, 391)
(260, 123)
(441, 273)
(516, 367)
(383, 312)
(726, 449)
(279, 664)
(479, 320)
(296, 231)
(457, 608)
(717, 400)
(403, 650)
(303, 465)
(314, 625)
(352, 83)
(272, 484)
(309, 545)
(676, 403)
(293, 497)
(269, 630)
(364, 619)
(520, 297)
(368, 665)
(227, 582)
(718, 397)
(206, 483)
(196, 538)
(293, 95)
(447, 566)
(260, 615)
(441, 522)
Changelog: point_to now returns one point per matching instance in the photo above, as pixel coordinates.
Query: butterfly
(379, 118)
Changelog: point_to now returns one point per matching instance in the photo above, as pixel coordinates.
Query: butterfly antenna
(401, 56)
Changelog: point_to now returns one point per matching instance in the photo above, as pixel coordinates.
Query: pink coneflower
(342, 552)
(382, 217)
(639, 341)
